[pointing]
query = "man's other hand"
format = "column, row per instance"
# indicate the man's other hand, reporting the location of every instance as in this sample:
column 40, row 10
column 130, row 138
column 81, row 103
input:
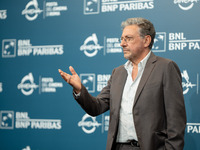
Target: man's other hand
column 73, row 79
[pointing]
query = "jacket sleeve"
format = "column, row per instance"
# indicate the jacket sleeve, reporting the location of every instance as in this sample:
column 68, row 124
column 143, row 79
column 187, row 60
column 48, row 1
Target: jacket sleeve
column 95, row 105
column 174, row 107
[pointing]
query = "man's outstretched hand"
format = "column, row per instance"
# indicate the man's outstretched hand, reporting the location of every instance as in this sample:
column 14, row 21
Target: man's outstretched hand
column 73, row 79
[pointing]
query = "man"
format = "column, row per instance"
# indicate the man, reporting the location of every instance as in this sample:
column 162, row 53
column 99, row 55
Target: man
column 144, row 95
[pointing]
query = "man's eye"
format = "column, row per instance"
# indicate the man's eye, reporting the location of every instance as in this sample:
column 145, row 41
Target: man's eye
column 128, row 38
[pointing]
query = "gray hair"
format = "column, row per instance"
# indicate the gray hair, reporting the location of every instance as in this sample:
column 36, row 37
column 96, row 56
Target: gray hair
column 145, row 26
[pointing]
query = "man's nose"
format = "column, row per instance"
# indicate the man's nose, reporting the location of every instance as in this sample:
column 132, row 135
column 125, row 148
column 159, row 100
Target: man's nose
column 123, row 43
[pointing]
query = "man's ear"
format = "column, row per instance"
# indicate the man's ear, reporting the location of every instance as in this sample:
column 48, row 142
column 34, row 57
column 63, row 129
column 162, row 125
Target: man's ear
column 147, row 40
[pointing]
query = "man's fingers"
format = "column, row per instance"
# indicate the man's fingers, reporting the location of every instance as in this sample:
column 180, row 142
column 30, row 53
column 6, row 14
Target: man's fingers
column 64, row 75
column 72, row 70
column 61, row 72
column 73, row 79
column 67, row 77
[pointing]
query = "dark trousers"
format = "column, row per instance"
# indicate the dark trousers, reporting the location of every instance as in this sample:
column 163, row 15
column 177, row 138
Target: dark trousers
column 119, row 146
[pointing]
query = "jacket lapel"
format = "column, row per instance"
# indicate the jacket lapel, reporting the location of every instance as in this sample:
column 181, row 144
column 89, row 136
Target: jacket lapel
column 147, row 71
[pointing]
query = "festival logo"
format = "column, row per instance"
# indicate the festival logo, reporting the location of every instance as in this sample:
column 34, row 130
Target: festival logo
column 50, row 9
column 27, row 85
column 186, row 84
column 46, row 85
column 89, row 124
column 185, row 4
column 90, row 46
column 112, row 45
column 31, row 10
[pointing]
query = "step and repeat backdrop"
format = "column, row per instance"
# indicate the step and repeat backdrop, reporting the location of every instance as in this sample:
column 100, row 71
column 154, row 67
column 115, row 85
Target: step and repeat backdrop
column 38, row 37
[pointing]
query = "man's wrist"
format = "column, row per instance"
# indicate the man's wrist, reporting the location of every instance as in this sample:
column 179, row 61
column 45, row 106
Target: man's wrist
column 76, row 94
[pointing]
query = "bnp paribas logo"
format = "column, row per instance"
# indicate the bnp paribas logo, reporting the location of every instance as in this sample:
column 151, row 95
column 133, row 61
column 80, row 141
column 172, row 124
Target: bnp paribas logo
column 6, row 119
column 159, row 42
column 88, row 80
column 185, row 4
column 91, row 6
column 9, row 48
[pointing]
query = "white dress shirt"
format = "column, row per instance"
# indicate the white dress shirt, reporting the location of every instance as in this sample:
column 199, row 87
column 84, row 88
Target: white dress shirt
column 126, row 129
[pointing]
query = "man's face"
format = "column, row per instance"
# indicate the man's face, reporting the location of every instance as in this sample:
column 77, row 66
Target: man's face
column 131, row 42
